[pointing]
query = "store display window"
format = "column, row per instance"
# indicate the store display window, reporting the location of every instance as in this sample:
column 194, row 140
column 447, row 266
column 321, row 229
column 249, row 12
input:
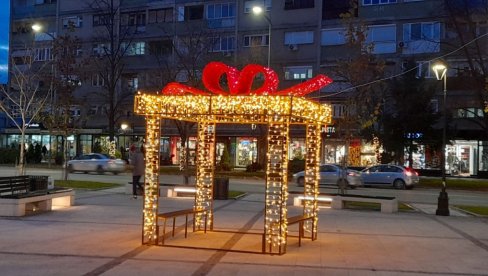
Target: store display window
column 246, row 151
column 297, row 149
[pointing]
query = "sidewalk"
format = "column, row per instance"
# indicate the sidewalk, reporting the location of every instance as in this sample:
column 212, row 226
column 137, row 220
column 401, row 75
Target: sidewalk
column 101, row 235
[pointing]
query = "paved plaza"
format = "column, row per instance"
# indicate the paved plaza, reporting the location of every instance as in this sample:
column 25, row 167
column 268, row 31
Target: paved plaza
column 101, row 235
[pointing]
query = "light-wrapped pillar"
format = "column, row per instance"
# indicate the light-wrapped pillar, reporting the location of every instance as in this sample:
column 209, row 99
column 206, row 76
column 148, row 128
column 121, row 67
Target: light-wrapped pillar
column 151, row 179
column 275, row 227
column 205, row 173
column 311, row 183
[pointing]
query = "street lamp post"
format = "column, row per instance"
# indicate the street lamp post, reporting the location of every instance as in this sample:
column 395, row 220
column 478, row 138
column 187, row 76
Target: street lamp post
column 257, row 10
column 440, row 71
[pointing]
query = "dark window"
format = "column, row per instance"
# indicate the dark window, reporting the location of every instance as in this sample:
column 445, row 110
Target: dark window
column 160, row 48
column 162, row 15
column 298, row 4
column 333, row 9
column 101, row 19
column 194, row 12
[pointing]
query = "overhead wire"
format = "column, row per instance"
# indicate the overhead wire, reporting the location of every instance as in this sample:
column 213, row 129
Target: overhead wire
column 404, row 72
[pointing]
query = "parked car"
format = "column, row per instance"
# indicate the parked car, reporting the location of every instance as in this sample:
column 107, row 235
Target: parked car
column 331, row 174
column 96, row 162
column 398, row 177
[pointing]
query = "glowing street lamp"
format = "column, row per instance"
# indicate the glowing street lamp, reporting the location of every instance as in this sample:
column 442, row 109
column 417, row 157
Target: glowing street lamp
column 440, row 71
column 258, row 11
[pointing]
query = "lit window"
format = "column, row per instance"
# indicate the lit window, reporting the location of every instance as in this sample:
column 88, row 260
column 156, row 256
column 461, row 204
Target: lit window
column 378, row 2
column 298, row 73
column 256, row 40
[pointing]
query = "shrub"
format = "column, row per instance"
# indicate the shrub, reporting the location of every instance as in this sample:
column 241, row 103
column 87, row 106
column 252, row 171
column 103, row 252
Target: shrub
column 225, row 164
column 254, row 167
column 9, row 155
column 59, row 158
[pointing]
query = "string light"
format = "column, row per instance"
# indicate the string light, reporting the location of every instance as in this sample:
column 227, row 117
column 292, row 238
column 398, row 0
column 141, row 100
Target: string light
column 240, row 104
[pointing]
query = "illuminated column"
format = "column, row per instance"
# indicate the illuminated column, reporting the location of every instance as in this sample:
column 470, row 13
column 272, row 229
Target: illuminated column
column 311, row 184
column 205, row 172
column 151, row 179
column 275, row 228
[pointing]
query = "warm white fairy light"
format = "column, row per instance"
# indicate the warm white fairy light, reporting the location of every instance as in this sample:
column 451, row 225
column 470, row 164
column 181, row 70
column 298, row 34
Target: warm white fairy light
column 312, row 161
column 205, row 172
column 151, row 178
column 278, row 112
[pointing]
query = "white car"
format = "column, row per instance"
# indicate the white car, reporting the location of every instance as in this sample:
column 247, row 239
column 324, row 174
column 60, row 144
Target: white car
column 331, row 174
column 96, row 162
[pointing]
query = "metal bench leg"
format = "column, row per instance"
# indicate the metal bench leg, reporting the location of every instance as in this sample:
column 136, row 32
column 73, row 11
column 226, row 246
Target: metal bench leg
column 186, row 225
column 174, row 222
column 300, row 233
column 157, row 233
column 164, row 231
column 206, row 219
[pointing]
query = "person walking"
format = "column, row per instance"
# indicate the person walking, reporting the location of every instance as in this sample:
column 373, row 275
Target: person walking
column 136, row 160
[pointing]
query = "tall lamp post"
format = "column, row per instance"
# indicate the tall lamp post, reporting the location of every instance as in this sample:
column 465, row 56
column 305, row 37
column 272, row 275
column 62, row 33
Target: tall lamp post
column 258, row 10
column 440, row 71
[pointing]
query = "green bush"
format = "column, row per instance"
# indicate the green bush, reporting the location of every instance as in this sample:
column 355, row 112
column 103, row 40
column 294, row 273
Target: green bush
column 254, row 167
column 59, row 158
column 225, row 164
column 9, row 155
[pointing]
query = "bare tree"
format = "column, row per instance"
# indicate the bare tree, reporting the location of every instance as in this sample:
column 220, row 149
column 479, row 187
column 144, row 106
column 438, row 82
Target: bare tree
column 466, row 35
column 182, row 58
column 58, row 116
column 362, row 102
column 30, row 87
column 114, row 40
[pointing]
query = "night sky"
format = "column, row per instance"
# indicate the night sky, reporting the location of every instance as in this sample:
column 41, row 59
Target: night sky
column 4, row 34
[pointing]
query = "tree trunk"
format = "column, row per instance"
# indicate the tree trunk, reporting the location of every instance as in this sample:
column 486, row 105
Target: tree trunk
column 65, row 156
column 21, row 166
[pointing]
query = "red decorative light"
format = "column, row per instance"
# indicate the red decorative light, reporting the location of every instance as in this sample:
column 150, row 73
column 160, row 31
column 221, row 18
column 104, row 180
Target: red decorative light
column 240, row 82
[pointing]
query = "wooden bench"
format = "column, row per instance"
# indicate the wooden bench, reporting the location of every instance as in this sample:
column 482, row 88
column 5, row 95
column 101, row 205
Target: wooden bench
column 388, row 204
column 174, row 215
column 22, row 194
column 300, row 219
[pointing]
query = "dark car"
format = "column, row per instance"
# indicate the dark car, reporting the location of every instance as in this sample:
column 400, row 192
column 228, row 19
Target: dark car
column 331, row 174
column 395, row 176
column 96, row 162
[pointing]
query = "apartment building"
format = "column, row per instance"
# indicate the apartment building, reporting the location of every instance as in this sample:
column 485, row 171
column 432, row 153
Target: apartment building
column 297, row 38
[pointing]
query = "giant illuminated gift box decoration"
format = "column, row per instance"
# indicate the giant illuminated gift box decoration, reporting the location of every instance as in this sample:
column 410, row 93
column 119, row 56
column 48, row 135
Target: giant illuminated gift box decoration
column 238, row 103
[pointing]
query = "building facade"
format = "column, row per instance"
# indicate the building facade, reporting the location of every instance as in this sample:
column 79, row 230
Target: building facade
column 164, row 41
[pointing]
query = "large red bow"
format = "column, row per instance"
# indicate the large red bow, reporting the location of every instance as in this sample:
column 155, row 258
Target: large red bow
column 240, row 82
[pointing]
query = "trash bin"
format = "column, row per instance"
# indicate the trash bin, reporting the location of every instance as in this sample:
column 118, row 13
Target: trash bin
column 38, row 182
column 221, row 188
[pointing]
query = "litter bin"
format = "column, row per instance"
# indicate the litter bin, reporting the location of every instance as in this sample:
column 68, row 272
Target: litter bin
column 38, row 182
column 221, row 188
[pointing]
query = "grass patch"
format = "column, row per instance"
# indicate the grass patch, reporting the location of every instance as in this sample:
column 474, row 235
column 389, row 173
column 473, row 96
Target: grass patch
column 455, row 183
column 373, row 206
column 235, row 194
column 478, row 210
column 79, row 184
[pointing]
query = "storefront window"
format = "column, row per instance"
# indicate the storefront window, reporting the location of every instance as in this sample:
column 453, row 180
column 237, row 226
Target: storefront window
column 418, row 158
column 297, row 149
column 85, row 144
column 483, row 150
column 246, row 151
column 334, row 153
column 191, row 146
column 461, row 157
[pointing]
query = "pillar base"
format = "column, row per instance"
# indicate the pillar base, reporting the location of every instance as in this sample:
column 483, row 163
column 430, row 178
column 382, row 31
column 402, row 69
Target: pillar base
column 442, row 204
